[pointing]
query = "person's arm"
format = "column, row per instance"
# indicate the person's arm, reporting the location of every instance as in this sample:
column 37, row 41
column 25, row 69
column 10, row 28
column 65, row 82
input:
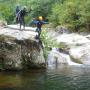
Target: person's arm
column 43, row 22
column 35, row 22
column 28, row 11
column 17, row 15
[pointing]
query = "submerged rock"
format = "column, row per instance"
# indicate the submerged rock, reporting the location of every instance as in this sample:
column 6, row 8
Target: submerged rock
column 20, row 50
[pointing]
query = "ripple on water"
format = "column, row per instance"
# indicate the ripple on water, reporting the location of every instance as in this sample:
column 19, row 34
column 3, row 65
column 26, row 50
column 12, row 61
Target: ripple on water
column 61, row 78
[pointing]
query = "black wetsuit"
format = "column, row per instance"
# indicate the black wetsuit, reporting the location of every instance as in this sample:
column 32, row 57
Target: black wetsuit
column 22, row 14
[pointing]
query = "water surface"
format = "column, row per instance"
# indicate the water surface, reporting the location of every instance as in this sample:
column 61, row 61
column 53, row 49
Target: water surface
column 60, row 78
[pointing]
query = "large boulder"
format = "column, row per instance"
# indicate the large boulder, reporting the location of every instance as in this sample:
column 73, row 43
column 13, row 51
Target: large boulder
column 59, row 56
column 72, row 39
column 79, row 47
column 81, row 54
column 20, row 50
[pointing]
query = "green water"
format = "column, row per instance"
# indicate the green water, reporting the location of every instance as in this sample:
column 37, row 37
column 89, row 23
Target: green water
column 62, row 78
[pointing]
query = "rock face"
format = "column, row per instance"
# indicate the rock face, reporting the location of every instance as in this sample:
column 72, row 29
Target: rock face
column 77, row 46
column 57, row 57
column 19, row 50
column 81, row 54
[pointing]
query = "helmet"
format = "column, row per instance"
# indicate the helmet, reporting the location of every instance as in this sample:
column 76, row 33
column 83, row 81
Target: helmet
column 24, row 8
column 18, row 5
column 40, row 18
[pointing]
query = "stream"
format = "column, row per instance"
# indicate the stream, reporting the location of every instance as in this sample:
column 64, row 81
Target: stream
column 64, row 77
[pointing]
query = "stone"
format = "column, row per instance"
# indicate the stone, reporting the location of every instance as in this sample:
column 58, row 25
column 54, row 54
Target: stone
column 77, row 47
column 20, row 50
column 81, row 54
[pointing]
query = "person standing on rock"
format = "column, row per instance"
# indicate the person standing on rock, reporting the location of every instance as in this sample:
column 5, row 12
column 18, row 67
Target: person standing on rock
column 21, row 15
column 17, row 11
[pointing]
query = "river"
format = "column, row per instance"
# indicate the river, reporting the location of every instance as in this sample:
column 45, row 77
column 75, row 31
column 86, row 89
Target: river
column 59, row 78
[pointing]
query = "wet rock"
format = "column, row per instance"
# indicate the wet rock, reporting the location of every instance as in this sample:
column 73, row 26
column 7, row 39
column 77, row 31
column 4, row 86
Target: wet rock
column 57, row 58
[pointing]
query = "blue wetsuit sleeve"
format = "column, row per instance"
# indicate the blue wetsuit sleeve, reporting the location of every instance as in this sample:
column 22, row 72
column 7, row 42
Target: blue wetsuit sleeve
column 35, row 22
column 43, row 22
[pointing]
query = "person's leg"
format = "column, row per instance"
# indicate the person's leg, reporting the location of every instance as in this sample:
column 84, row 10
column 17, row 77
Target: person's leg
column 23, row 21
column 20, row 20
column 37, row 36
column 16, row 20
column 39, row 32
column 20, row 26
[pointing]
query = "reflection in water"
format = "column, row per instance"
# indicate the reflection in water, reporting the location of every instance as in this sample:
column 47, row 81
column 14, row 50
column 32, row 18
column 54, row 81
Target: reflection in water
column 62, row 78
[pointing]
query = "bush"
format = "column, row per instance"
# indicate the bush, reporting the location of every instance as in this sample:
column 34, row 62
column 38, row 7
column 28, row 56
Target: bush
column 47, row 42
column 72, row 13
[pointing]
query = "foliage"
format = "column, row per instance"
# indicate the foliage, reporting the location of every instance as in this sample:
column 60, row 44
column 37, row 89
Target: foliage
column 74, row 14
column 6, row 10
column 48, row 42
column 37, row 8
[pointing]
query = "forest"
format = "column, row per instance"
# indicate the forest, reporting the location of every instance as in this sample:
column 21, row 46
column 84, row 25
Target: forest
column 73, row 14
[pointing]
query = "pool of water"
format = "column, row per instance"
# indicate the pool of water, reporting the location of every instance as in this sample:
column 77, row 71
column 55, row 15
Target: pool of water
column 60, row 78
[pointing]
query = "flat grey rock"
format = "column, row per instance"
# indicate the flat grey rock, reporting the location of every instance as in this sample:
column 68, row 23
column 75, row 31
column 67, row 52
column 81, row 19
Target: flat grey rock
column 13, row 31
column 17, row 27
